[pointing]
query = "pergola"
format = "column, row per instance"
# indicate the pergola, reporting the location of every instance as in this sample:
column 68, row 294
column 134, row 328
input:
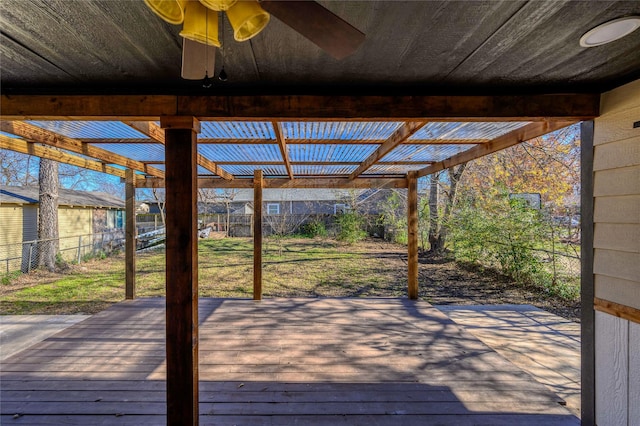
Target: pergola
column 290, row 117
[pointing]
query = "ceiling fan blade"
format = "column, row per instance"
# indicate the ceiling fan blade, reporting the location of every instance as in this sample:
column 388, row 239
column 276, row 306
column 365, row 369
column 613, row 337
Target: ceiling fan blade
column 318, row 24
column 194, row 60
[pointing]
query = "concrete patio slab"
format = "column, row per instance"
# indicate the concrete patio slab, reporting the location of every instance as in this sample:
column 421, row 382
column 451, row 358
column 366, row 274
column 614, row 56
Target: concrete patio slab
column 18, row 332
column 544, row 345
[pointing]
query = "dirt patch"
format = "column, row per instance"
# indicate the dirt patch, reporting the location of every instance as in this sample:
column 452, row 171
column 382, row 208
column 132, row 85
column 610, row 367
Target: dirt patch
column 445, row 282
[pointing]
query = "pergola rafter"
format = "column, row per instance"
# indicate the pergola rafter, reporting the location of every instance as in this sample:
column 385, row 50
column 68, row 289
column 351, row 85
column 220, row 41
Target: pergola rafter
column 282, row 144
column 156, row 133
column 37, row 134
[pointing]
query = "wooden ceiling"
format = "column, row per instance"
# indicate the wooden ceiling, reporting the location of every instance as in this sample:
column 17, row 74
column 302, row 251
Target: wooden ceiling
column 411, row 47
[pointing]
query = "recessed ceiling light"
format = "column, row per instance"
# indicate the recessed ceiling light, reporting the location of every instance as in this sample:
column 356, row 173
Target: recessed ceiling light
column 610, row 31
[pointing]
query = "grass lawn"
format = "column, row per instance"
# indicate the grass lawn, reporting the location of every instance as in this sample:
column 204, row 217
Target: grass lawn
column 291, row 268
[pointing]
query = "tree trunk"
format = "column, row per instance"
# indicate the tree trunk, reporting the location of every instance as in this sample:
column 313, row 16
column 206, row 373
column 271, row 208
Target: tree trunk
column 48, row 214
column 455, row 174
column 435, row 241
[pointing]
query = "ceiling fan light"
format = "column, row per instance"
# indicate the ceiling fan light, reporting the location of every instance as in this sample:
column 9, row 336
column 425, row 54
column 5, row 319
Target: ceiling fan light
column 219, row 5
column 247, row 19
column 610, row 31
column 200, row 24
column 172, row 11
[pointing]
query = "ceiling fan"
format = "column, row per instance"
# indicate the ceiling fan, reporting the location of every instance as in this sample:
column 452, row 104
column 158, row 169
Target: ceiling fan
column 248, row 17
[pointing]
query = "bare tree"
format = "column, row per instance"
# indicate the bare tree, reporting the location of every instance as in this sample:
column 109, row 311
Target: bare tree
column 159, row 197
column 48, row 214
column 439, row 220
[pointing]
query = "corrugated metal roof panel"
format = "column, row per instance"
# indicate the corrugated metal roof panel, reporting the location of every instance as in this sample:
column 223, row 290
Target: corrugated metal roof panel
column 236, row 130
column 467, row 130
column 384, row 169
column 139, row 152
column 426, row 153
column 339, row 130
column 238, row 152
column 247, row 170
column 91, row 129
column 311, row 152
column 301, row 170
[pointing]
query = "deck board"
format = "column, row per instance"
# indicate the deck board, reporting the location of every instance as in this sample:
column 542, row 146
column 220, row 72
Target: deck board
column 277, row 362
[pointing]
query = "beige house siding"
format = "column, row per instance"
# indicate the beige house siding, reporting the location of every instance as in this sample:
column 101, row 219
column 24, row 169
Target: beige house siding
column 72, row 223
column 616, row 264
column 10, row 238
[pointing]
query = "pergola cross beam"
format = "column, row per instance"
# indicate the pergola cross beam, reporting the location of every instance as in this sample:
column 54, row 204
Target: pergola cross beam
column 399, row 136
column 514, row 137
column 32, row 148
column 37, row 134
column 156, row 133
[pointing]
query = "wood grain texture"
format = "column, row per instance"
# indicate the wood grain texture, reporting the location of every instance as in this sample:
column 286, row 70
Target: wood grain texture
column 181, row 277
column 624, row 292
column 616, row 309
column 622, row 153
column 257, row 234
column 618, row 264
column 507, row 140
column 24, row 147
column 288, row 183
column 617, row 209
column 612, row 350
column 36, row 134
column 569, row 107
column 634, row 374
column 282, row 144
column 281, row 361
column 403, row 133
column 614, row 182
column 617, row 236
column 412, row 234
column 130, row 234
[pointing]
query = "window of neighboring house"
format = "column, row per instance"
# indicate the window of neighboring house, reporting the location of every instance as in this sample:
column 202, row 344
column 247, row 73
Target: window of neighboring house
column 341, row 208
column 273, row 208
column 115, row 219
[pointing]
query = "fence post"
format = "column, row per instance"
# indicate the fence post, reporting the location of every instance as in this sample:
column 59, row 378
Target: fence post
column 30, row 254
column 79, row 247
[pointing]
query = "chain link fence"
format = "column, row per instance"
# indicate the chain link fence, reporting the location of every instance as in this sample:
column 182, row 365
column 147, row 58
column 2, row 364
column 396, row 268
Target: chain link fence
column 25, row 256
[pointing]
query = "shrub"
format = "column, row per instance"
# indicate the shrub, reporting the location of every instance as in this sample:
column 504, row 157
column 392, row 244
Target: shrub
column 314, row 228
column 350, row 227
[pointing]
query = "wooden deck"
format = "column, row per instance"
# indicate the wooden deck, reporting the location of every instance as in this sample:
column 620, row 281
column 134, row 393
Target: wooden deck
column 277, row 362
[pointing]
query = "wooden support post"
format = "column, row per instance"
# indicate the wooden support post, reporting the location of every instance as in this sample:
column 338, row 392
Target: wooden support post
column 130, row 234
column 587, row 289
column 412, row 221
column 257, row 234
column 182, row 269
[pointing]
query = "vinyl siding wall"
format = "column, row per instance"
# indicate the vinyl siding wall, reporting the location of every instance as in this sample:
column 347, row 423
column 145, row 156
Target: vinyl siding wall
column 617, row 255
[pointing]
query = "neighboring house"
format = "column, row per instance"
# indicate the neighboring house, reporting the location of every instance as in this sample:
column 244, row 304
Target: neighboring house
column 80, row 213
column 289, row 208
column 310, row 201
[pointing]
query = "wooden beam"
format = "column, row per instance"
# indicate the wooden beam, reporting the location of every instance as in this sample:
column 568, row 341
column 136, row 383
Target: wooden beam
column 46, row 137
column 130, row 234
column 156, row 133
column 277, row 128
column 181, row 271
column 628, row 313
column 412, row 234
column 399, row 136
column 30, row 148
column 529, row 131
column 587, row 287
column 323, row 183
column 257, row 234
column 214, row 141
column 571, row 107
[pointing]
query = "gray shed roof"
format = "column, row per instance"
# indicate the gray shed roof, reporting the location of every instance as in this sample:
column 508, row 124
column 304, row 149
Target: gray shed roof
column 66, row 197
